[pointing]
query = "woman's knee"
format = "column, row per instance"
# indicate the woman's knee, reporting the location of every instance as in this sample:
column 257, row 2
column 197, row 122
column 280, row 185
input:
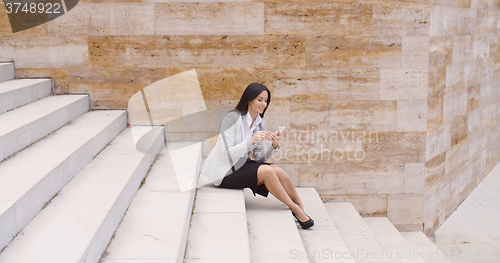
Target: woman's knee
column 282, row 174
column 266, row 172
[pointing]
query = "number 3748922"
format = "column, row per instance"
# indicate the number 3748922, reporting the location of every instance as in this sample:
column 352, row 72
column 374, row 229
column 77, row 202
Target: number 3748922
column 33, row 8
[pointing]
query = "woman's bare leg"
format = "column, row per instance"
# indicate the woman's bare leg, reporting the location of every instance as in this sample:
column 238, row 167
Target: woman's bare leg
column 266, row 175
column 287, row 184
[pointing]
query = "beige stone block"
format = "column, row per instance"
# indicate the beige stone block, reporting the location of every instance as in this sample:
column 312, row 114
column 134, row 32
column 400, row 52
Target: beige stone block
column 343, row 51
column 415, row 50
column 311, row 82
column 327, row 83
column 403, row 84
column 436, row 20
column 440, row 55
column 454, row 105
column 493, row 20
column 395, row 147
column 411, row 115
column 353, row 178
column 435, row 200
column 414, row 179
column 471, row 73
column 458, row 130
column 435, row 171
column 443, row 2
column 455, row 77
column 438, row 141
column 457, row 156
column 477, row 138
column 45, row 51
column 440, row 51
column 106, row 18
column 402, row 20
column 476, row 165
column 463, row 48
column 482, row 25
column 197, row 51
column 229, row 83
column 463, row 3
column 459, row 179
column 243, row 18
column 366, row 205
column 405, row 209
column 343, row 115
column 313, row 18
column 473, row 98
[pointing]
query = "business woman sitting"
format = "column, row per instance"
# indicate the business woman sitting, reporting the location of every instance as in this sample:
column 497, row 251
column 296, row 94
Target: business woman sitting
column 242, row 131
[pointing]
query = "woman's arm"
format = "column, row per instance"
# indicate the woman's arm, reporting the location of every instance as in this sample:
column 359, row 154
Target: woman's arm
column 227, row 133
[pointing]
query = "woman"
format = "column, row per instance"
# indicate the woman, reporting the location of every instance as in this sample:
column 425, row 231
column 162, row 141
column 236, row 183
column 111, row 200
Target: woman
column 242, row 131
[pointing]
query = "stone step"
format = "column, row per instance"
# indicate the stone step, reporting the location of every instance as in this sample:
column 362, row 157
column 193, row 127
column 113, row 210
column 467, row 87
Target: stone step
column 322, row 242
column 6, row 71
column 18, row 92
column 274, row 234
column 156, row 224
column 218, row 231
column 34, row 175
column 78, row 223
column 422, row 244
column 362, row 245
column 27, row 124
column 392, row 242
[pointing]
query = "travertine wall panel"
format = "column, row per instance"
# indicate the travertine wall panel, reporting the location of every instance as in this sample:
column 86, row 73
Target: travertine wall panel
column 462, row 104
column 411, row 115
column 414, row 178
column 403, row 84
column 404, row 20
column 209, row 18
column 45, row 51
column 306, row 18
column 327, row 83
column 345, row 51
column 199, row 51
column 368, row 178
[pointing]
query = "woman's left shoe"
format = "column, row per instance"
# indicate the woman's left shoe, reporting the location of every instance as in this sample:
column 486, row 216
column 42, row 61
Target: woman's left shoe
column 307, row 224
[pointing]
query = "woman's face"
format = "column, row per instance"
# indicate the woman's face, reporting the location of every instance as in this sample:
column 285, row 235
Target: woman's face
column 258, row 104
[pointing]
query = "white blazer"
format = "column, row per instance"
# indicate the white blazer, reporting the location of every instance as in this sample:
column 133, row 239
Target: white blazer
column 231, row 145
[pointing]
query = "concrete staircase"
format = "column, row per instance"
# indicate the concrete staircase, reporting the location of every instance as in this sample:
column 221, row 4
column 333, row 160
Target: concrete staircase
column 74, row 188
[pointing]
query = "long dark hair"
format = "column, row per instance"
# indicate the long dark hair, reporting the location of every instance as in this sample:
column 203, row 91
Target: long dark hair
column 251, row 92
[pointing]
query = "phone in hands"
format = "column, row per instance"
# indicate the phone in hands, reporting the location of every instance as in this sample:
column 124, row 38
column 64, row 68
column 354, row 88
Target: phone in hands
column 280, row 129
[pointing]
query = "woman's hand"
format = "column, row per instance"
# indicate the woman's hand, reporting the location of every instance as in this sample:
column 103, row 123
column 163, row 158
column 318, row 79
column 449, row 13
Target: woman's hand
column 275, row 139
column 259, row 136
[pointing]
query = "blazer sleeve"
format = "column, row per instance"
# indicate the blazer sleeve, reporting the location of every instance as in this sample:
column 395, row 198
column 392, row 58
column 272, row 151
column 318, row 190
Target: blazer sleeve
column 231, row 151
column 262, row 153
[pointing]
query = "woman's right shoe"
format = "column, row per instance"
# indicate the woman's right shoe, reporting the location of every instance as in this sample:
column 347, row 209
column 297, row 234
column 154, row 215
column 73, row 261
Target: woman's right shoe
column 307, row 224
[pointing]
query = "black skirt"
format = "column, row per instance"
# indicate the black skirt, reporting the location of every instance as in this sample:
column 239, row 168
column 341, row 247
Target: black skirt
column 244, row 177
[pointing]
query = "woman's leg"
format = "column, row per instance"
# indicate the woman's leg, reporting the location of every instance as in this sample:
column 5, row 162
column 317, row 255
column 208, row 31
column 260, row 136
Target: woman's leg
column 266, row 175
column 287, row 184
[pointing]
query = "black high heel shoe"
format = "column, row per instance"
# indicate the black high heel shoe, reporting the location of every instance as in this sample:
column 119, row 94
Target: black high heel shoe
column 307, row 224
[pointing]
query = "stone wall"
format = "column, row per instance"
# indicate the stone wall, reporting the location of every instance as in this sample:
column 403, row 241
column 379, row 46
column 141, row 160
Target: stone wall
column 392, row 105
column 463, row 142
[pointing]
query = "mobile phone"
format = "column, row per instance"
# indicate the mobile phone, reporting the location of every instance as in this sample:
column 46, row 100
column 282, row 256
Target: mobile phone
column 280, row 129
